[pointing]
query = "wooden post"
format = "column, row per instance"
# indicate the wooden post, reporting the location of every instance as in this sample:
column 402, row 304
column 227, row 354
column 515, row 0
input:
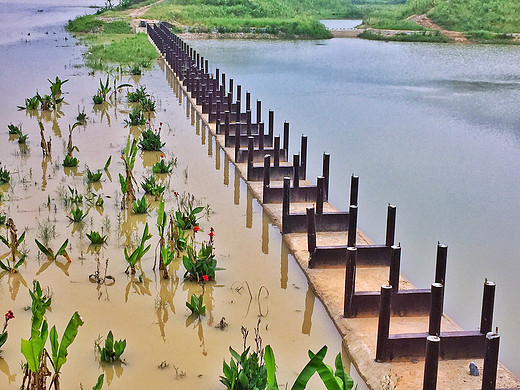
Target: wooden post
column 267, row 174
column 277, row 151
column 286, row 137
column 226, row 127
column 303, row 155
column 354, row 189
column 383, row 325
column 431, row 362
column 248, row 101
column 311, row 230
column 395, row 267
column 325, row 173
column 261, row 135
column 296, row 170
column 440, row 266
column 488, row 302
column 489, row 374
column 350, row 281
column 224, row 84
column 258, row 111
column 239, row 92
column 286, row 202
column 352, row 225
column 320, row 183
column 436, row 309
column 250, row 155
column 248, row 122
column 237, row 140
column 390, row 225
column 271, row 124
column 231, row 88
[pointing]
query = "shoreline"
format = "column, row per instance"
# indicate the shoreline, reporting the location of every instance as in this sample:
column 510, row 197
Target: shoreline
column 358, row 333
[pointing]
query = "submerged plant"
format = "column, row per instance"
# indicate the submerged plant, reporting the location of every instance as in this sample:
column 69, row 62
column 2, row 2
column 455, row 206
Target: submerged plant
column 97, row 99
column 138, row 95
column 93, row 177
column 147, row 104
column 14, row 130
column 201, row 265
column 3, row 335
column 135, row 71
column 70, row 162
column 47, row 251
column 150, row 186
column 112, row 350
column 135, row 117
column 127, row 184
column 74, row 198
column 164, row 166
column 77, row 215
column 47, row 102
column 140, row 206
column 196, row 305
column 56, row 86
column 96, row 238
column 82, row 116
column 13, row 242
column 3, row 218
column 5, row 175
column 22, row 138
column 138, row 252
column 151, row 140
column 30, row 103
column 186, row 217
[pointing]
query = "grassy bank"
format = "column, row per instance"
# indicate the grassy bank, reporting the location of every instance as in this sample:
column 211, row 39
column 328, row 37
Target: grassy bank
column 488, row 21
column 424, row 36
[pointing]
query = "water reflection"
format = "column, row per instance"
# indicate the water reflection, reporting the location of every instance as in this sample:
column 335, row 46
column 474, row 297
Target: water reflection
column 309, row 309
column 217, row 156
column 139, row 285
column 284, row 266
column 14, row 281
column 110, row 369
column 226, row 169
column 265, row 233
column 236, row 187
column 4, row 367
column 249, row 209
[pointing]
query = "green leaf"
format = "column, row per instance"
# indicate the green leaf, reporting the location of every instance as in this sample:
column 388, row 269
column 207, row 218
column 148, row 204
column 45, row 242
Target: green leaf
column 20, row 240
column 61, row 251
column 99, row 383
column 4, row 267
column 119, row 348
column 348, row 382
column 20, row 262
column 242, row 378
column 68, row 337
column 3, row 338
column 32, row 350
column 197, row 210
column 4, row 240
column 271, row 368
column 107, row 164
column 47, row 252
column 310, row 368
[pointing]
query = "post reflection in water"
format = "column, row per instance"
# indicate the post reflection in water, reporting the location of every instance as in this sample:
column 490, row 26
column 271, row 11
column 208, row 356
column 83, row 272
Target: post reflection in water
column 237, row 187
column 217, row 156
column 309, row 309
column 265, row 233
column 203, row 134
column 284, row 266
column 5, row 369
column 210, row 143
column 187, row 107
column 226, row 169
column 249, row 210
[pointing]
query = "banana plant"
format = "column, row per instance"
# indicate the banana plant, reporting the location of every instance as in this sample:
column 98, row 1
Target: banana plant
column 50, row 253
column 196, row 305
column 139, row 252
column 161, row 226
column 99, row 383
column 59, row 349
column 12, row 241
column 112, row 349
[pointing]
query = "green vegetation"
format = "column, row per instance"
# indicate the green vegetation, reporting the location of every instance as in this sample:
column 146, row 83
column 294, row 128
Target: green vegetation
column 112, row 350
column 196, row 305
column 96, row 238
column 425, row 36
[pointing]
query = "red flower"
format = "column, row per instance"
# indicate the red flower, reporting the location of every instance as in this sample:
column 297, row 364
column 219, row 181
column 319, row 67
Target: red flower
column 205, row 278
column 176, row 193
column 211, row 233
column 9, row 315
column 196, row 229
column 162, row 155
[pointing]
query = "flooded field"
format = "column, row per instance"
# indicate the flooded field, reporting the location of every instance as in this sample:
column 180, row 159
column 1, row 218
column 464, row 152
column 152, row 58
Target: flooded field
column 164, row 343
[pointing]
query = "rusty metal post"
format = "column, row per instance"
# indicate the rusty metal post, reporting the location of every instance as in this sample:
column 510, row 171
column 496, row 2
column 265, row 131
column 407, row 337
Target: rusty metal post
column 488, row 303
column 286, row 202
column 231, row 88
column 198, row 61
column 311, row 230
column 239, row 92
column 286, row 137
column 436, row 309
column 296, row 170
column 383, row 325
column 326, row 173
column 431, row 363
column 248, row 122
column 248, row 100
column 271, row 124
column 354, row 189
column 350, row 281
column 217, row 74
column 224, row 83
column 277, row 151
column 395, row 267
column 258, row 111
column 206, row 66
column 390, row 225
column 238, row 112
column 226, row 127
column 267, row 171
column 440, row 265
column 352, row 225
column 303, row 156
column 261, row 135
column 489, row 374
column 237, row 140
column 250, row 155
column 320, row 183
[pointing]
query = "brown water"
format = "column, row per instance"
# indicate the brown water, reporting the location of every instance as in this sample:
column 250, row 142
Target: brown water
column 146, row 310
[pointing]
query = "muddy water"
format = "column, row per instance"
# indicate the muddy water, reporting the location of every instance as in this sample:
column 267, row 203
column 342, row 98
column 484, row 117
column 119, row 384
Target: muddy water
column 260, row 279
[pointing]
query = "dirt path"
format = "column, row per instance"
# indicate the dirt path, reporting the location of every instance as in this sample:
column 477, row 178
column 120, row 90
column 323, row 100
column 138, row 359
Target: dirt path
column 425, row 21
column 137, row 13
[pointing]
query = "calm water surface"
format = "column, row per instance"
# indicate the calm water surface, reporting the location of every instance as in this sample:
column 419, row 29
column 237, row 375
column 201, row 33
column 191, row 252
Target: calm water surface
column 431, row 128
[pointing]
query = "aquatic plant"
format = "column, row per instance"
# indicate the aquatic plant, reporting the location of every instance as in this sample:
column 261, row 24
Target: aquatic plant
column 94, row 200
column 96, row 238
column 14, row 130
column 107, row 164
column 162, row 219
column 77, row 215
column 138, row 252
column 70, row 162
column 22, row 138
column 200, row 266
column 135, row 71
column 186, row 217
column 46, row 102
column 167, row 256
column 137, row 95
column 5, row 175
column 30, row 103
column 47, row 251
column 135, row 117
column 127, row 184
column 112, row 350
column 104, row 89
column 93, row 177
column 3, row 335
column 3, row 218
column 82, row 116
column 13, row 242
column 147, row 104
column 196, row 305
column 46, row 145
column 34, row 351
column 56, row 86
column 97, row 99
column 164, row 167
column 180, row 238
column 150, row 186
column 151, row 140
column 74, row 198
column 140, row 206
column 99, row 383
